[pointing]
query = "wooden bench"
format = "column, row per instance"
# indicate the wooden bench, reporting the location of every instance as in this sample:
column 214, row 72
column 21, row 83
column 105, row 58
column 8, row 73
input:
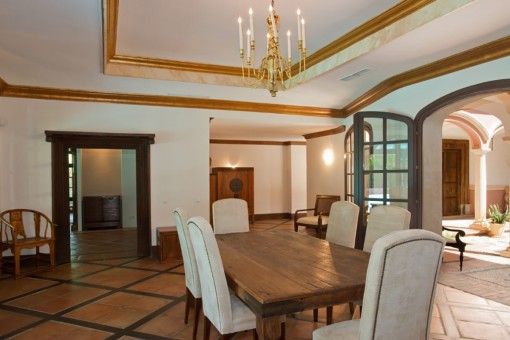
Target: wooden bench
column 456, row 242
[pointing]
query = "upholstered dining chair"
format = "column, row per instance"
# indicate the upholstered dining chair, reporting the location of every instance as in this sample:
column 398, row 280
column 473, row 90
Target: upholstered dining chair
column 22, row 229
column 221, row 308
column 343, row 222
column 193, row 290
column 399, row 290
column 319, row 219
column 230, row 215
column 382, row 220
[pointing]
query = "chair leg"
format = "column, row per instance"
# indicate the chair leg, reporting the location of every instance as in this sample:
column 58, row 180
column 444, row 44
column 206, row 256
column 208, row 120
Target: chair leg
column 17, row 260
column 351, row 308
column 198, row 307
column 207, row 328
column 461, row 258
column 282, row 331
column 255, row 335
column 329, row 315
column 186, row 306
column 315, row 315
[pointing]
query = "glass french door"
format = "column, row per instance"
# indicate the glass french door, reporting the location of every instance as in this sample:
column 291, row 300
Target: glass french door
column 384, row 164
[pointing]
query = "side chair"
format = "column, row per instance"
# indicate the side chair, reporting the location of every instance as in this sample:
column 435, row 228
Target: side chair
column 399, row 290
column 193, row 290
column 383, row 219
column 319, row 219
column 221, row 307
column 230, row 215
column 343, row 222
column 22, row 229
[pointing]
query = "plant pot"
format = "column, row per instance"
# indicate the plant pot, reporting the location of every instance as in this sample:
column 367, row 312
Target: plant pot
column 496, row 229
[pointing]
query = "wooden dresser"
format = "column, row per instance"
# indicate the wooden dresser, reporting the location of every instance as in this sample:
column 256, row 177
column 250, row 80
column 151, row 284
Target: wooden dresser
column 101, row 212
column 233, row 183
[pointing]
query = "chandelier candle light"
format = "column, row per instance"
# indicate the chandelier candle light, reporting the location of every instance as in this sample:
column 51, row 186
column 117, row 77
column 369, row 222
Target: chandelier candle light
column 274, row 69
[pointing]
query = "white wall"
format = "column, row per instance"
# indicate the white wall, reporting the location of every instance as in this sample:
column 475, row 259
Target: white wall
column 325, row 179
column 277, row 174
column 179, row 157
column 298, row 177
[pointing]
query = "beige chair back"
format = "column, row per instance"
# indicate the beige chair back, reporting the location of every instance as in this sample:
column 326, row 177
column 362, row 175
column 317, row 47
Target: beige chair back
column 400, row 286
column 343, row 222
column 382, row 220
column 215, row 293
column 399, row 290
column 230, row 215
column 188, row 254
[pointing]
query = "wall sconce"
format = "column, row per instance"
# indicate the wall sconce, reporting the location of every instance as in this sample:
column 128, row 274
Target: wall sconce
column 328, row 156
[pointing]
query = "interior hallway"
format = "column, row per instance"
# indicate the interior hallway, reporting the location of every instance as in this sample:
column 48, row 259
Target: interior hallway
column 109, row 296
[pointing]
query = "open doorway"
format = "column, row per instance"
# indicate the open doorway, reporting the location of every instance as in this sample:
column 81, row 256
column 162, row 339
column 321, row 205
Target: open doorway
column 62, row 141
column 102, row 202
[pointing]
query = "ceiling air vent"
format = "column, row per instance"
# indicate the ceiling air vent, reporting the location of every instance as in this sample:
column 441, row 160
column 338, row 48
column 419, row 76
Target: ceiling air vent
column 355, row 75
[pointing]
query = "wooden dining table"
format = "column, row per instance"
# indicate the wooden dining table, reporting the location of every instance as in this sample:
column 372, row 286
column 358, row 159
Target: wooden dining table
column 280, row 272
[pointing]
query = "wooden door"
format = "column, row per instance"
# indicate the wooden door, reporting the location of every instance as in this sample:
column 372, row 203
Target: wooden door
column 455, row 176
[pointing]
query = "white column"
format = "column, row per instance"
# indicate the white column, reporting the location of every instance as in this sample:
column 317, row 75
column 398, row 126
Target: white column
column 480, row 184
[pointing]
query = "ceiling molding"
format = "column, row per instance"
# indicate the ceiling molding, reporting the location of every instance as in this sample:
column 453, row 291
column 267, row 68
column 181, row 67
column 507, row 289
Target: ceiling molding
column 491, row 51
column 394, row 14
column 253, row 142
column 334, row 131
column 36, row 92
column 134, row 66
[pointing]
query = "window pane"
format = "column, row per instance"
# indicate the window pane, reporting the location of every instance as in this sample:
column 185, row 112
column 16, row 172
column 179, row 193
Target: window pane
column 376, row 126
column 397, row 156
column 396, row 130
column 397, row 185
column 374, row 160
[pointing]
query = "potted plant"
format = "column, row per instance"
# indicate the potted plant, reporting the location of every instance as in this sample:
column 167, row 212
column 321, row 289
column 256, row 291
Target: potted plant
column 498, row 219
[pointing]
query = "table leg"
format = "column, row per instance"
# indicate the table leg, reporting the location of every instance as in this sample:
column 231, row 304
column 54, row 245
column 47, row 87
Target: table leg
column 268, row 328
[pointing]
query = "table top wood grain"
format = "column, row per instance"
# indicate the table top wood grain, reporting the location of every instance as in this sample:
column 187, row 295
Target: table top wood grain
column 281, row 272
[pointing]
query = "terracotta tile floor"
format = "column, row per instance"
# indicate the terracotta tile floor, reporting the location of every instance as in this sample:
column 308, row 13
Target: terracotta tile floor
column 107, row 293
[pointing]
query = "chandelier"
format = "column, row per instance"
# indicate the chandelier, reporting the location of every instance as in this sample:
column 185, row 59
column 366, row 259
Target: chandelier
column 274, row 71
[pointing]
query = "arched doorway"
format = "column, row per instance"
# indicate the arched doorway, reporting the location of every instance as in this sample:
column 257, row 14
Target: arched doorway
column 429, row 132
column 61, row 142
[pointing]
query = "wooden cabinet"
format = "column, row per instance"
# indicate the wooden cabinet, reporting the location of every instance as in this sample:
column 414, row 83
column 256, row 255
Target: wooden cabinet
column 101, row 212
column 169, row 248
column 233, row 183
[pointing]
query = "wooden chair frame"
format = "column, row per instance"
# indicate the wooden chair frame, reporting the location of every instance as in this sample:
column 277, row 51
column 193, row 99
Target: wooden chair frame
column 318, row 210
column 457, row 243
column 14, row 237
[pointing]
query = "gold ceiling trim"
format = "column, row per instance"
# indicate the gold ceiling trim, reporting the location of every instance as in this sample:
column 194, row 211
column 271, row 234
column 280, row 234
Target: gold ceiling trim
column 111, row 11
column 385, row 19
column 36, row 92
column 330, row 132
column 253, row 142
column 491, row 51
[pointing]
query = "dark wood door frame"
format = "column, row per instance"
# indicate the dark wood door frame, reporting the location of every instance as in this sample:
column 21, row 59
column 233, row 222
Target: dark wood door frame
column 61, row 141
